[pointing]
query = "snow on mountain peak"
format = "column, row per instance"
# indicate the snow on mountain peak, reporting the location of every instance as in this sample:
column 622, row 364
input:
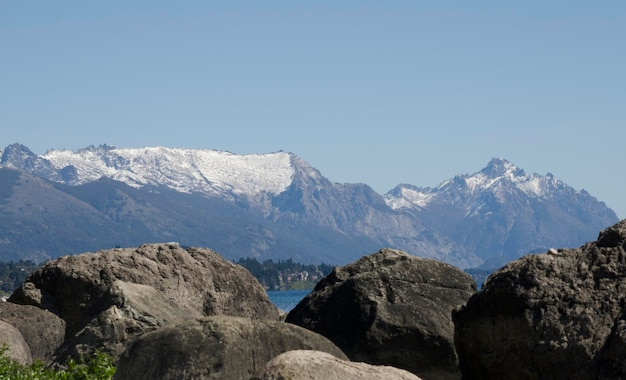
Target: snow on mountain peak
column 495, row 177
column 407, row 196
column 500, row 170
column 499, row 167
column 185, row 170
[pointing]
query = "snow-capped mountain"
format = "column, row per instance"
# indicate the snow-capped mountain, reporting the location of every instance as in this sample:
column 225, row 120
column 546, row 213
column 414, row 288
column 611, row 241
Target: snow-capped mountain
column 499, row 178
column 276, row 205
column 503, row 212
column 184, row 170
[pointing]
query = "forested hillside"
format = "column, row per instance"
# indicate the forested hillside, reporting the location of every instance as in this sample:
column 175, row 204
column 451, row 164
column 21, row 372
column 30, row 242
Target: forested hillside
column 285, row 274
column 12, row 274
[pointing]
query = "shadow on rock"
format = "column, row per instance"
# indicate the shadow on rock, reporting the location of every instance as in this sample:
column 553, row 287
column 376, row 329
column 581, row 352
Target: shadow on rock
column 557, row 315
column 390, row 308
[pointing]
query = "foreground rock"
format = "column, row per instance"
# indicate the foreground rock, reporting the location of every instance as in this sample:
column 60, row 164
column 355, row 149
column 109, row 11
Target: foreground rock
column 43, row 331
column 390, row 308
column 315, row 365
column 218, row 347
column 100, row 312
column 558, row 315
column 17, row 348
column 127, row 311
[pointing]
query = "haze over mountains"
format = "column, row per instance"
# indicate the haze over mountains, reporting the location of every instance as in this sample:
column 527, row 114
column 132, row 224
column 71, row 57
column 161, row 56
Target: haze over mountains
column 277, row 206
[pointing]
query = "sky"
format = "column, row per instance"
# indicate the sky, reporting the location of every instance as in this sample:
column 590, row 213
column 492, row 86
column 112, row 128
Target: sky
column 375, row 92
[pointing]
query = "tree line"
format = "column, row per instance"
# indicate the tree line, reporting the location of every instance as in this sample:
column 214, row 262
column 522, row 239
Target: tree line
column 13, row 274
column 285, row 274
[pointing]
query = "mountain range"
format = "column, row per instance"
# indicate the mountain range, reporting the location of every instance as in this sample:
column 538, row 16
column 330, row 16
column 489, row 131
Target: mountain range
column 277, row 206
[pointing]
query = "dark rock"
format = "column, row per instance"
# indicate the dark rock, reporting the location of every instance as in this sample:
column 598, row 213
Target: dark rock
column 43, row 331
column 390, row 308
column 17, row 348
column 197, row 280
column 127, row 311
column 315, row 365
column 556, row 315
column 218, row 347
column 612, row 359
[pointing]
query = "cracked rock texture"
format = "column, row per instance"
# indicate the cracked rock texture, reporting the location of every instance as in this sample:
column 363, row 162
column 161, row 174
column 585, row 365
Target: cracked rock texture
column 557, row 315
column 390, row 308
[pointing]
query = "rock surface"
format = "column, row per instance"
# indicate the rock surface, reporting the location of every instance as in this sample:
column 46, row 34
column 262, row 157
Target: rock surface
column 218, row 347
column 17, row 348
column 127, row 311
column 196, row 279
column 95, row 296
column 42, row 330
column 555, row 315
column 315, row 365
column 390, row 308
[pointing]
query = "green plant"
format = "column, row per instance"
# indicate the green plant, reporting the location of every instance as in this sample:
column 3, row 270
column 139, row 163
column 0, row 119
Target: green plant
column 98, row 366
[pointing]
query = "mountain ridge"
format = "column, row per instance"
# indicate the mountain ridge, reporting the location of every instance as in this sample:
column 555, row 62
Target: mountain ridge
column 488, row 217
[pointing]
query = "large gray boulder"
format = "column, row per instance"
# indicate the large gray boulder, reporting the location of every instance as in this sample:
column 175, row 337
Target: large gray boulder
column 17, row 348
column 315, row 365
column 42, row 330
column 557, row 315
column 198, row 280
column 127, row 311
column 218, row 347
column 390, row 308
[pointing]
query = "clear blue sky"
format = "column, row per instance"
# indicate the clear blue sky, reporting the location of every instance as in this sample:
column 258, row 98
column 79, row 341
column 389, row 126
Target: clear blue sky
column 378, row 92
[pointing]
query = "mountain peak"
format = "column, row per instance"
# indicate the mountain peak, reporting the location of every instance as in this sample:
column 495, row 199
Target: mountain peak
column 499, row 167
column 19, row 156
column 184, row 170
column 275, row 205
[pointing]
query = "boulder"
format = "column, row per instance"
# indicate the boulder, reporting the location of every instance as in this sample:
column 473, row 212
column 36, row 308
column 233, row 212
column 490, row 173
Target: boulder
column 560, row 314
column 126, row 311
column 218, row 347
column 315, row 365
column 198, row 280
column 612, row 359
column 390, row 308
column 43, row 331
column 17, row 349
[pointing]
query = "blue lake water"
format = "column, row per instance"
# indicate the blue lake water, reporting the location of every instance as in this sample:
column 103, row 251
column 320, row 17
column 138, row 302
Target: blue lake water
column 286, row 300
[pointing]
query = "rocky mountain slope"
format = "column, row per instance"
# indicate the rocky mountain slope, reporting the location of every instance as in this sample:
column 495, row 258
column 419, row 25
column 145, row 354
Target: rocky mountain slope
column 277, row 206
column 504, row 213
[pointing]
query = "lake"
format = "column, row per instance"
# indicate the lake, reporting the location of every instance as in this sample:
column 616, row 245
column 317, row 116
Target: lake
column 286, row 300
